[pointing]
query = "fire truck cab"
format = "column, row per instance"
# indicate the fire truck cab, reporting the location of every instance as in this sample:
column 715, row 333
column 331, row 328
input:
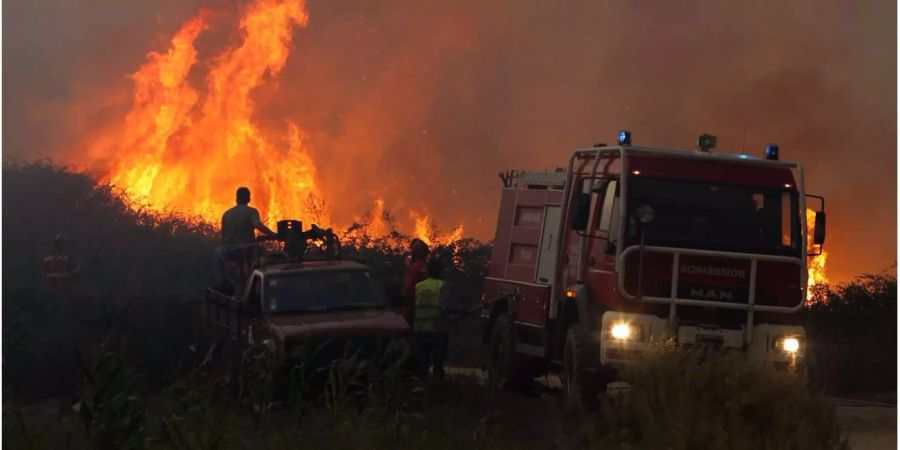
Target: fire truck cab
column 630, row 247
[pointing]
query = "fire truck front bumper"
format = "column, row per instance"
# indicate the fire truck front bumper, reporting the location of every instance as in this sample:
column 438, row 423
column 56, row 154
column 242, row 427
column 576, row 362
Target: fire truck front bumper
column 625, row 338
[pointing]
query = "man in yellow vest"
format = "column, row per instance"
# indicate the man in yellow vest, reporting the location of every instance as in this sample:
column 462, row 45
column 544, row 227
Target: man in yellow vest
column 430, row 322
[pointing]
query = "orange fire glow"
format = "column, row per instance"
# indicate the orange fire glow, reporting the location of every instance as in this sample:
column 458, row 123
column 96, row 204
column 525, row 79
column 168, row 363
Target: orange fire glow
column 426, row 230
column 186, row 150
column 816, row 270
column 182, row 152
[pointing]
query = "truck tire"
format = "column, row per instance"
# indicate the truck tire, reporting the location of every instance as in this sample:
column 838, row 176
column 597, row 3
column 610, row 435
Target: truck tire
column 505, row 369
column 581, row 386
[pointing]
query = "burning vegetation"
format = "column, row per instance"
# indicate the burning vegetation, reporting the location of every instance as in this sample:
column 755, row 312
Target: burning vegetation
column 186, row 149
column 816, row 265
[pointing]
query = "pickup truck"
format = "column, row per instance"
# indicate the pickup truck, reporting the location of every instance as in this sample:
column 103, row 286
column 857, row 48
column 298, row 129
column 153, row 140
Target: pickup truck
column 311, row 309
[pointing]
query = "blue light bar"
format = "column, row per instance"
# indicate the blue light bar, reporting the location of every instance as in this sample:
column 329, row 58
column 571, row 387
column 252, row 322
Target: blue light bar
column 772, row 152
column 706, row 142
column 624, row 137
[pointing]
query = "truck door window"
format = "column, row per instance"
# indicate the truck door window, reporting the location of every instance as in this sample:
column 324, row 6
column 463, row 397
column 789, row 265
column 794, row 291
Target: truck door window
column 609, row 206
column 615, row 220
column 786, row 220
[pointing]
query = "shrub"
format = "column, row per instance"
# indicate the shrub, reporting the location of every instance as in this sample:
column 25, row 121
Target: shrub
column 674, row 402
column 852, row 332
column 197, row 410
column 135, row 264
column 110, row 406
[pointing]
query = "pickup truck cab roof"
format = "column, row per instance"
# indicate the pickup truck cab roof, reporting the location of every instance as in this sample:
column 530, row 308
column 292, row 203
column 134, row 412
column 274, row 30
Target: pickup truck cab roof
column 309, row 266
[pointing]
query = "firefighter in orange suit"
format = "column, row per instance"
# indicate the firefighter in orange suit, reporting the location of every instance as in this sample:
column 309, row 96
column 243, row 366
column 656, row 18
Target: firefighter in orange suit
column 59, row 267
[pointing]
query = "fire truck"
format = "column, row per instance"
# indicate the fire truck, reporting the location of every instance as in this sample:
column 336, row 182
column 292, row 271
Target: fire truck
column 629, row 246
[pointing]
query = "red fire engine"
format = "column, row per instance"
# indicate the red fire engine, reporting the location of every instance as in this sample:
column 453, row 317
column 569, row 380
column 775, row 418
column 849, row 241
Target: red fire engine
column 630, row 246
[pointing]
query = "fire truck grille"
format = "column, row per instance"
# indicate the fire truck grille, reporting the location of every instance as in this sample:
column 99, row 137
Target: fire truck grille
column 723, row 318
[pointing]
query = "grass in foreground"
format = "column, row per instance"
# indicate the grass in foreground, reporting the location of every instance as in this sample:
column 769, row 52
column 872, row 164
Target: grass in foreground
column 676, row 402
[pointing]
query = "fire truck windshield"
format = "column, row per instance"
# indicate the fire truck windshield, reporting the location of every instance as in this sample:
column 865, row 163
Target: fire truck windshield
column 722, row 217
column 321, row 291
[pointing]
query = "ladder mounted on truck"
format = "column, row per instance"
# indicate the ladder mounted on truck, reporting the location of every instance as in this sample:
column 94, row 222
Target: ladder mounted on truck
column 534, row 179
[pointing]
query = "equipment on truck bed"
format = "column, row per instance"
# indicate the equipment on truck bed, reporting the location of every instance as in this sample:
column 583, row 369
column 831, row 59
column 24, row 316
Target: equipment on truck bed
column 299, row 245
column 290, row 244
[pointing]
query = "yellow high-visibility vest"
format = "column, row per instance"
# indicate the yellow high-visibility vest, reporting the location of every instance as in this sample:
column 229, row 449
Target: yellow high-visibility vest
column 429, row 314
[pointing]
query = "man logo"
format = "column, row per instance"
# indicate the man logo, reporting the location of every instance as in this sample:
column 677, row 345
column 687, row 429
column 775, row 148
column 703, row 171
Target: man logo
column 712, row 294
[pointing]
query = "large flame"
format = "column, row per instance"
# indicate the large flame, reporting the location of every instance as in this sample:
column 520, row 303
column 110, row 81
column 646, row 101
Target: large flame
column 178, row 151
column 816, row 269
column 427, row 230
column 184, row 151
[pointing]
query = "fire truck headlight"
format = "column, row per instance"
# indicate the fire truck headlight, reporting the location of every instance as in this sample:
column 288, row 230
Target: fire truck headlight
column 624, row 137
column 621, row 331
column 789, row 345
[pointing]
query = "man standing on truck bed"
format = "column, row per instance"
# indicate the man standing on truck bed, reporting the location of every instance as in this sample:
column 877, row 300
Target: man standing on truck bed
column 430, row 324
column 238, row 226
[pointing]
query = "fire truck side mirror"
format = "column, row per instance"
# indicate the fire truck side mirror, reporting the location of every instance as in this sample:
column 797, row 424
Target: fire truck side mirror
column 819, row 231
column 581, row 210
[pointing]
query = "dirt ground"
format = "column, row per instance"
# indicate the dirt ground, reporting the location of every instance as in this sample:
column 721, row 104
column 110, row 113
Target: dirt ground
column 868, row 425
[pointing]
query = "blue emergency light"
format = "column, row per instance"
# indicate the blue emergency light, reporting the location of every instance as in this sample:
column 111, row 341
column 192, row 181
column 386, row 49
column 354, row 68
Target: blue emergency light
column 624, row 137
column 772, row 152
column 706, row 142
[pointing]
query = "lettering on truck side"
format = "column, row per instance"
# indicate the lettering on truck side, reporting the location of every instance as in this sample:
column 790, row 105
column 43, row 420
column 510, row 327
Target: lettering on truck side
column 713, row 271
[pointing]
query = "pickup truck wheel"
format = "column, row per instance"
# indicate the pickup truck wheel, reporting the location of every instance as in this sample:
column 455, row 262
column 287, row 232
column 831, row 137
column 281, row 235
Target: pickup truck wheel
column 580, row 387
column 502, row 368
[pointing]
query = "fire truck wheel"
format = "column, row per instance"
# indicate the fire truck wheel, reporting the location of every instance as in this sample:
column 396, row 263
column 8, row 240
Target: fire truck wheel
column 580, row 388
column 503, row 364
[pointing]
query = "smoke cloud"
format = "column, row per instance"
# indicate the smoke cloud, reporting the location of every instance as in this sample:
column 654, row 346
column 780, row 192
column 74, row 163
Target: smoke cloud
column 421, row 103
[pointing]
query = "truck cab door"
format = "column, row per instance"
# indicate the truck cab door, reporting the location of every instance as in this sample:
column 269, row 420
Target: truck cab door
column 604, row 233
column 549, row 244
column 252, row 308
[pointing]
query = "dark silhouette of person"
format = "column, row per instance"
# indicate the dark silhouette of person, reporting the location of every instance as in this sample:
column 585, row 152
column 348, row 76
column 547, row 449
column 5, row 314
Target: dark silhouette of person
column 239, row 226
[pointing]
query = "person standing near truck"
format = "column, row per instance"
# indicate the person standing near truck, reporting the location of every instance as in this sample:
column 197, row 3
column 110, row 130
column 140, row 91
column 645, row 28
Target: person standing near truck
column 239, row 224
column 430, row 324
column 415, row 273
